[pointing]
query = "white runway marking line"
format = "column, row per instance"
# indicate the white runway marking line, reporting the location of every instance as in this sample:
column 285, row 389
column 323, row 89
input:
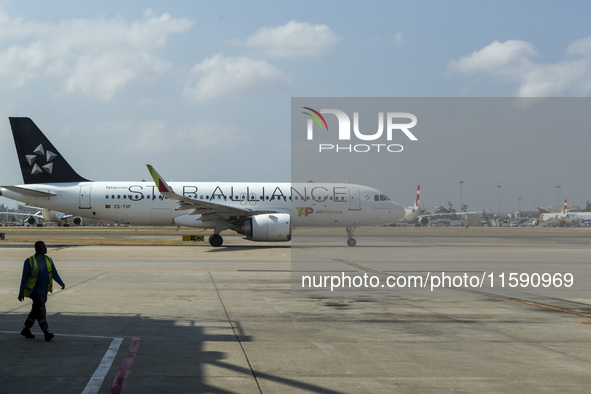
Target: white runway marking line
column 99, row 375
column 95, row 382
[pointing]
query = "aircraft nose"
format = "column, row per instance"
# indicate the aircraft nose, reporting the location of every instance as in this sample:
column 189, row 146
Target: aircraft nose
column 396, row 212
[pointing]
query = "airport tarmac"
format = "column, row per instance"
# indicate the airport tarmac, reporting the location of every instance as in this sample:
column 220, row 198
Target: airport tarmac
column 163, row 318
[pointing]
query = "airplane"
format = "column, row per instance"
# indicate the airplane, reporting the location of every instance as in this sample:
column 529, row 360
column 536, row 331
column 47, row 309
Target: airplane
column 577, row 217
column 553, row 218
column 260, row 211
column 585, row 220
column 424, row 219
column 46, row 215
column 411, row 213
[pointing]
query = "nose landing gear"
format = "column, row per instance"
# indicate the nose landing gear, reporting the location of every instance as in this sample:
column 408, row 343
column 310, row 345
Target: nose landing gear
column 350, row 240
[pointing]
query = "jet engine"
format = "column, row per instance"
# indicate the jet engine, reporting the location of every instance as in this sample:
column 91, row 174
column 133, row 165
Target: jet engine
column 31, row 220
column 424, row 221
column 77, row 220
column 268, row 227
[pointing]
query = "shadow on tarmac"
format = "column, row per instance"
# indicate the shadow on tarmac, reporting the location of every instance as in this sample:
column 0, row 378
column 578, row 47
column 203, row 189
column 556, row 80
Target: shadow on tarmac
column 171, row 357
column 240, row 248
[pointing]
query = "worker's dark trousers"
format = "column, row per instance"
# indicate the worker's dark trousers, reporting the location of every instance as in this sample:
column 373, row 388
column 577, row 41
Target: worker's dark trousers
column 37, row 311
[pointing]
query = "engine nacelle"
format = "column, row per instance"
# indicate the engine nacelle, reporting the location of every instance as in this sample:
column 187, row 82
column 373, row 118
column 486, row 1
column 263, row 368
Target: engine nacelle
column 77, row 220
column 272, row 227
column 31, row 220
column 423, row 221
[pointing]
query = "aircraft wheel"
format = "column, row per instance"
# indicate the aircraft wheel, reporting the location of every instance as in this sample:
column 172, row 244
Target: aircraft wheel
column 216, row 240
column 351, row 242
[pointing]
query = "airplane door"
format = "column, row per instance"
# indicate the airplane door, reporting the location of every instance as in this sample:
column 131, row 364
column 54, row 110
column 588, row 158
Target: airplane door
column 354, row 201
column 85, row 197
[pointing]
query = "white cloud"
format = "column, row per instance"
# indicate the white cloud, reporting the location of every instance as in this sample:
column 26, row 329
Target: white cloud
column 201, row 136
column 220, row 76
column 93, row 57
column 509, row 57
column 294, row 39
column 516, row 61
column 148, row 137
column 102, row 76
column 580, row 47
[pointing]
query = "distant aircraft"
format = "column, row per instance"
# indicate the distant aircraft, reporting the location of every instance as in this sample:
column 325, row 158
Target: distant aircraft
column 411, row 213
column 577, row 217
column 49, row 216
column 260, row 211
column 555, row 218
column 584, row 219
column 424, row 219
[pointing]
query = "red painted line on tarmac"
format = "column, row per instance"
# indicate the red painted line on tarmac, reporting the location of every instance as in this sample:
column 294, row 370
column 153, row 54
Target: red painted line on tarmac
column 121, row 378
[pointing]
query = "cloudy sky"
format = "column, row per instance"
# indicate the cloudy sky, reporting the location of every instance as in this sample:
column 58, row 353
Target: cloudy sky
column 202, row 90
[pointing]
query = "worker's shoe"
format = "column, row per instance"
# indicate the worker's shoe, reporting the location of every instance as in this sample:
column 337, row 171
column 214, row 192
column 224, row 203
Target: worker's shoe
column 48, row 336
column 26, row 332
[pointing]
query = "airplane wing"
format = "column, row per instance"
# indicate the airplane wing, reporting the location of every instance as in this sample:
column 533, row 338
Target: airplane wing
column 48, row 214
column 28, row 192
column 26, row 215
column 424, row 219
column 15, row 214
column 552, row 219
column 451, row 214
column 200, row 207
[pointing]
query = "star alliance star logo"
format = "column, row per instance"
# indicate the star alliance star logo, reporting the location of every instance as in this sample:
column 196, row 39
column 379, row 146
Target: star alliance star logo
column 35, row 159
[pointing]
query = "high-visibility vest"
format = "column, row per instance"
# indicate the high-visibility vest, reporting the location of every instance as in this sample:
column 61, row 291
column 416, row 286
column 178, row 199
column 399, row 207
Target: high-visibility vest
column 32, row 279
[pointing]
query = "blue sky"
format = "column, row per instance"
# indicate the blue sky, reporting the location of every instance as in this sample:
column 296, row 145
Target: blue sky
column 202, row 90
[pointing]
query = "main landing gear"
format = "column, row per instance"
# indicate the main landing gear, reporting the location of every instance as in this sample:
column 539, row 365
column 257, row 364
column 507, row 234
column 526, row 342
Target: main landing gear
column 350, row 240
column 216, row 240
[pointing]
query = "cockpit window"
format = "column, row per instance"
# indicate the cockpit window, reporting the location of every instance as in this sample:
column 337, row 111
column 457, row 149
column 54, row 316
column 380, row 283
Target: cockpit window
column 381, row 197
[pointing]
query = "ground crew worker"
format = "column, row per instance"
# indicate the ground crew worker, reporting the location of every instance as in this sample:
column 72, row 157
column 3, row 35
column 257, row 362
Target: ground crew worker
column 38, row 276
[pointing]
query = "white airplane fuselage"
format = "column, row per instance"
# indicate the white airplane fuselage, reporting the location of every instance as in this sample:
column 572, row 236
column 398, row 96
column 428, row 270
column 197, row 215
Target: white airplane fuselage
column 140, row 203
column 260, row 211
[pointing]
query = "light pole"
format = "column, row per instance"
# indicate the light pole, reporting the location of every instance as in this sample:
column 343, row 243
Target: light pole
column 499, row 186
column 461, row 200
column 461, row 182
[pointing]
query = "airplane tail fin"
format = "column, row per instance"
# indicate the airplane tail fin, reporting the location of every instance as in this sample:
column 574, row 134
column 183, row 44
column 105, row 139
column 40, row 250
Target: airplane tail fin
column 564, row 207
column 417, row 199
column 40, row 162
